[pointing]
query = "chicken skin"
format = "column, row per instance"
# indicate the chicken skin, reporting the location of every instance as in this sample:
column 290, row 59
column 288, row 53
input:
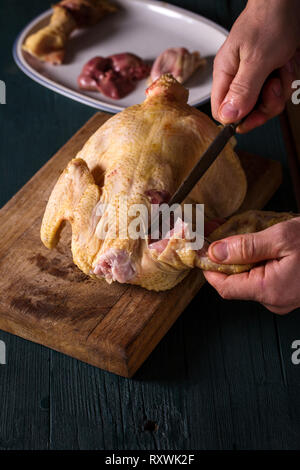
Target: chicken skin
column 177, row 61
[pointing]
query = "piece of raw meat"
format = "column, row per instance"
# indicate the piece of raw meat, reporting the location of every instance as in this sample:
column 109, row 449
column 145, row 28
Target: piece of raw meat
column 49, row 43
column 114, row 76
column 177, row 61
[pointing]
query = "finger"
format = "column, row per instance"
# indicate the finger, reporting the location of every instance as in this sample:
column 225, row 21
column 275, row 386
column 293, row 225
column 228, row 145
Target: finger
column 256, row 119
column 244, row 286
column 214, row 278
column 243, row 92
column 220, row 87
column 273, row 98
column 273, row 242
column 275, row 94
column 226, row 65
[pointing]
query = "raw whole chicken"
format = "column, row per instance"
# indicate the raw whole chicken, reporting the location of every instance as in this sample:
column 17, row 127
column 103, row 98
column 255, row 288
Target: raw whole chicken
column 143, row 154
column 49, row 43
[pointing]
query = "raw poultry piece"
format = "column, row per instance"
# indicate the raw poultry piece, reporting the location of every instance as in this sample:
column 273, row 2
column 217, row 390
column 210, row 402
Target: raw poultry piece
column 49, row 43
column 143, row 154
column 177, row 61
column 114, row 76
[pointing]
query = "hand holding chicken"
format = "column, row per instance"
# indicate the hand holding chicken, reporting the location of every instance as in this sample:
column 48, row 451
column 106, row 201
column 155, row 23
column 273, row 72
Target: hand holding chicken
column 275, row 281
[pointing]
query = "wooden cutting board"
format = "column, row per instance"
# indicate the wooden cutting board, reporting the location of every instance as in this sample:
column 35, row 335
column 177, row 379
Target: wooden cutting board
column 45, row 298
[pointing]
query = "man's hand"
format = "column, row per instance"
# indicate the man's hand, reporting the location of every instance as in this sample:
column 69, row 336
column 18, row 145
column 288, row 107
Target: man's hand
column 264, row 38
column 276, row 282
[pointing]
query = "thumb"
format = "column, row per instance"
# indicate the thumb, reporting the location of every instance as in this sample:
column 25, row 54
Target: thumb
column 243, row 92
column 249, row 247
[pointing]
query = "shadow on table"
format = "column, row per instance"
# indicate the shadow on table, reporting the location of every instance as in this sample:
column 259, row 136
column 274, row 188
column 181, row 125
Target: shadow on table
column 208, row 334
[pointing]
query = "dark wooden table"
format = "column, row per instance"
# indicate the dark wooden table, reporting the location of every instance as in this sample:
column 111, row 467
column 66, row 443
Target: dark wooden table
column 222, row 378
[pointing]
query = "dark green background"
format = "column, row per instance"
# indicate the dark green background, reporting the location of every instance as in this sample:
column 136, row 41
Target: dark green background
column 222, row 378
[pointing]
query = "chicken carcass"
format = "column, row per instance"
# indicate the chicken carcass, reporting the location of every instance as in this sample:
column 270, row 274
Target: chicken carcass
column 143, row 154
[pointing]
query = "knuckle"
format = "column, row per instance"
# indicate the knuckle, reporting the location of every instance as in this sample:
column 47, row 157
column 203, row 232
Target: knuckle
column 273, row 109
column 282, row 231
column 254, row 57
column 224, row 293
column 285, row 235
column 220, row 57
column 239, row 88
column 245, row 246
column 249, row 246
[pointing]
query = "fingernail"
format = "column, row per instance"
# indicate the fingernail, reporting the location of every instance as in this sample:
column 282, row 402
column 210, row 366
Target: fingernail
column 289, row 66
column 220, row 251
column 229, row 111
column 277, row 89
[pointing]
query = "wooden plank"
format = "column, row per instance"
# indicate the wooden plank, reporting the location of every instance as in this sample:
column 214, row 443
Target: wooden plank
column 49, row 301
column 24, row 395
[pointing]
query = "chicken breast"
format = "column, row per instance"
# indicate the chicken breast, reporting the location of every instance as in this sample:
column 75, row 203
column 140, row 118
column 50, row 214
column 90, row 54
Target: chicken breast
column 140, row 156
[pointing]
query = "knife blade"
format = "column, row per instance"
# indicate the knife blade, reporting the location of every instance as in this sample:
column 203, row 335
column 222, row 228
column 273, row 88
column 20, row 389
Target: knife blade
column 206, row 160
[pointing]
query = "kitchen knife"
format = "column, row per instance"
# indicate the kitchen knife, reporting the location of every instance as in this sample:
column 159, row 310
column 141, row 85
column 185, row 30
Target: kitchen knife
column 207, row 159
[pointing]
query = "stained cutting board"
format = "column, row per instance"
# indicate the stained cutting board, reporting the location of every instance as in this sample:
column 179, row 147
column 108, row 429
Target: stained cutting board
column 45, row 298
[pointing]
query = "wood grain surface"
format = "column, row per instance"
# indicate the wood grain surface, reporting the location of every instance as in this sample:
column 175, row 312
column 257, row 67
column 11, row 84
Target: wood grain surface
column 50, row 301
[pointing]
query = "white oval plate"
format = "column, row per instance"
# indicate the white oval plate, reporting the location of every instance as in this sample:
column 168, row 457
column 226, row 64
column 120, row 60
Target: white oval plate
column 143, row 27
